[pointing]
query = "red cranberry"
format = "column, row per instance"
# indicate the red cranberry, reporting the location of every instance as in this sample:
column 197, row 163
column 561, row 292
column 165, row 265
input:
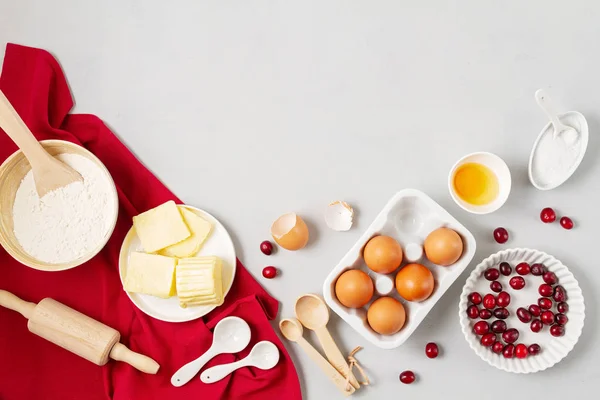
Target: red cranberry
column 488, row 339
column 501, row 235
column 536, row 325
column 407, row 377
column 548, row 215
column 491, row 274
column 475, row 298
column 496, row 286
column 547, row 317
column 505, row 268
column 431, row 350
column 521, row 351
column 550, row 278
column 559, row 294
column 498, row 326
column 545, row 290
column 497, row 347
column 557, row 330
column 562, row 307
column 266, row 247
column 523, row 315
column 509, row 351
column 485, row 314
column 561, row 319
column 523, row 268
column 489, row 301
column 534, row 349
column 472, row 312
column 538, row 269
column 510, row 336
column 269, row 272
column 501, row 313
column 535, row 310
column 503, row 299
column 565, row 222
column 517, row 282
column 544, row 303
column 481, row 328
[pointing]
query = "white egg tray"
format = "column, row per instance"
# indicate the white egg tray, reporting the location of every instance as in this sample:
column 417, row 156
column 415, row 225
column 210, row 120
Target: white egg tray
column 408, row 217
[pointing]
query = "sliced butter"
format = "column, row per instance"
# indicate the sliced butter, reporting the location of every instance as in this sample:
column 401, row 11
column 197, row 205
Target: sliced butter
column 151, row 274
column 199, row 282
column 200, row 229
column 161, row 227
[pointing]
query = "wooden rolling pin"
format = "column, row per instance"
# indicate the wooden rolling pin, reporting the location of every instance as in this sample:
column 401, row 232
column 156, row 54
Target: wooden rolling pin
column 76, row 332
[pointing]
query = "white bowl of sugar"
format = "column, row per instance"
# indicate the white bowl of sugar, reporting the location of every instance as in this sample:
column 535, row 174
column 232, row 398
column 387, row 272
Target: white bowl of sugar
column 65, row 228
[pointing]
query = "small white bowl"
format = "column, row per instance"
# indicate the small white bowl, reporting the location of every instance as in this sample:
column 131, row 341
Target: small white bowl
column 498, row 167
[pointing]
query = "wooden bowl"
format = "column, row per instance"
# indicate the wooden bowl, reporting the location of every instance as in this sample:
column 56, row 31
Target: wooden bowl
column 12, row 172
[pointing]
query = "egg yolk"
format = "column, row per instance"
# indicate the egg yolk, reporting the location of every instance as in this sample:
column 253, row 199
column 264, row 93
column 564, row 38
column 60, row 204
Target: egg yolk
column 475, row 184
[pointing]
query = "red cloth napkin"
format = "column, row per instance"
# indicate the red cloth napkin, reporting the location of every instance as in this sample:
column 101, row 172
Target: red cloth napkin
column 32, row 368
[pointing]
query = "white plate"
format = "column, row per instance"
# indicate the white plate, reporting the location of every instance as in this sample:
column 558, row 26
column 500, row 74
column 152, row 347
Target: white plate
column 408, row 217
column 553, row 349
column 218, row 244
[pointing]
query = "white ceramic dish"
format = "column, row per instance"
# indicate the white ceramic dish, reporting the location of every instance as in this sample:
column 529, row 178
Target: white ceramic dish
column 553, row 349
column 408, row 217
column 218, row 244
column 498, row 167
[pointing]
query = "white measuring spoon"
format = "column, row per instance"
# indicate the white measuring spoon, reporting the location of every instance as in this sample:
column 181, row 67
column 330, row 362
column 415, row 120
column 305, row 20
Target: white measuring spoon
column 545, row 103
column 231, row 335
column 264, row 355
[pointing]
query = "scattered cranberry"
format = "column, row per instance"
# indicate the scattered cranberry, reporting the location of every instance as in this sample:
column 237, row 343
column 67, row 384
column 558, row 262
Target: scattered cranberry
column 505, row 268
column 509, row 351
column 547, row 317
column 269, row 272
column 485, row 314
column 503, row 299
column 544, row 303
column 407, row 377
column 431, row 350
column 499, row 326
column 266, row 247
column 557, row 330
column 488, row 339
column 510, row 336
column 545, row 290
column 523, row 268
column 562, row 307
column 489, row 301
column 497, row 347
column 475, row 298
column 536, row 325
column 524, row 315
column 548, row 215
column 496, row 286
column 517, row 282
column 501, row 313
column 501, row 235
column 481, row 328
column 473, row 312
column 550, row 278
column 534, row 349
column 521, row 351
column 538, row 269
column 491, row 274
column 535, row 310
column 561, row 319
column 559, row 294
column 566, row 223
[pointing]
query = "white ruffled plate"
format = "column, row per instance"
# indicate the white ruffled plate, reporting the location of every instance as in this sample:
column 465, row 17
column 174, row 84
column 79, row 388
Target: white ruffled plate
column 553, row 349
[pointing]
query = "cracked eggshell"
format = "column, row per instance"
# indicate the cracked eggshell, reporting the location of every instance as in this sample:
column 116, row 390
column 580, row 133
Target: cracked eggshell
column 339, row 216
column 290, row 232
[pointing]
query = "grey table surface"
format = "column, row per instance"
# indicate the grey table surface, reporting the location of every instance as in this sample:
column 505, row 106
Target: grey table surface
column 249, row 109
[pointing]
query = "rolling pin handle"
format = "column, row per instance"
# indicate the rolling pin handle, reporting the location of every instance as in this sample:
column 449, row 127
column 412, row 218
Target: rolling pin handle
column 12, row 302
column 120, row 352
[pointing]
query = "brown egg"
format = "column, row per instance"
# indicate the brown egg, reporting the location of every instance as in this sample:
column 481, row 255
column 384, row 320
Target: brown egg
column 354, row 288
column 290, row 232
column 383, row 254
column 443, row 246
column 414, row 282
column 386, row 315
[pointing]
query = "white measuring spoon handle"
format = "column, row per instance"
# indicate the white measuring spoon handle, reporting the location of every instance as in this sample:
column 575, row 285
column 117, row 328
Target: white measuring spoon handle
column 219, row 372
column 546, row 104
column 189, row 370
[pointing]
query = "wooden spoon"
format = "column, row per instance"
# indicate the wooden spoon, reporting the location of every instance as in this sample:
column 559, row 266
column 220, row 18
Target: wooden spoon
column 292, row 330
column 48, row 173
column 313, row 313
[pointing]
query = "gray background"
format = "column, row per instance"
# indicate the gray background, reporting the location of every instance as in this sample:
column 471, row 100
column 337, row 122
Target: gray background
column 250, row 109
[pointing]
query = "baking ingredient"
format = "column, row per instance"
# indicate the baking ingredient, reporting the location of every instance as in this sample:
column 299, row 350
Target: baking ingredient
column 443, row 246
column 534, row 349
column 475, row 184
column 524, row 315
column 509, row 351
column 383, row 254
column 545, row 290
column 290, row 232
column 354, row 288
column 489, row 301
column 548, row 215
column 481, row 328
column 559, row 294
column 535, row 310
column 199, row 281
column 517, row 282
column 501, row 313
column 488, row 339
column 545, row 303
column 475, row 298
column 266, row 247
column 472, row 312
column 501, row 235
column 199, row 228
column 505, row 268
column 521, row 351
column 497, row 347
column 386, row 315
column 491, row 274
column 510, row 335
column 557, row 330
column 407, row 377
column 547, row 317
column 67, row 223
column 523, row 268
column 414, row 282
column 550, row 278
column 538, row 269
column 562, row 307
column 536, row 325
column 503, row 299
column 485, row 314
column 161, row 227
column 496, row 286
column 431, row 350
column 150, row 274
column 498, row 326
column 561, row 319
column 555, row 157
column 269, row 272
column 566, row 223
column 339, row 216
